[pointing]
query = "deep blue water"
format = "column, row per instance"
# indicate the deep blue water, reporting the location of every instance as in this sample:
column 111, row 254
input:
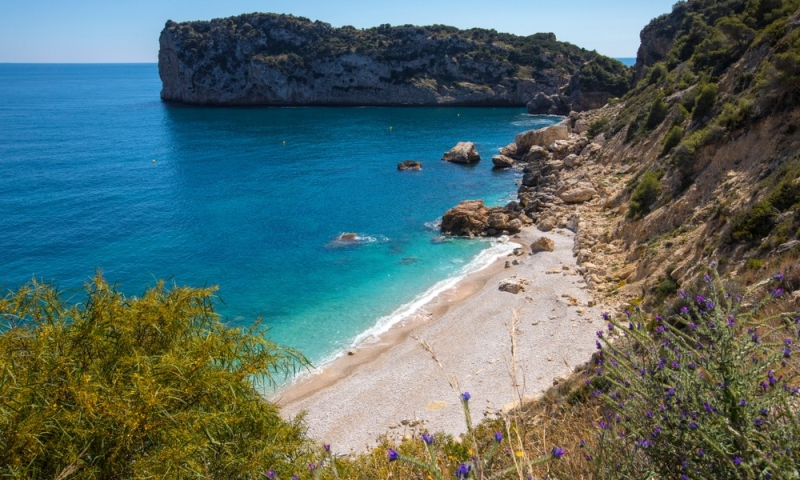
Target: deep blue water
column 97, row 172
column 629, row 61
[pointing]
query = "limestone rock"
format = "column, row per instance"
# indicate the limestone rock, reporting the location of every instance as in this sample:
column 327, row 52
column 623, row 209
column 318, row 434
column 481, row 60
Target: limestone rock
column 542, row 244
column 536, row 153
column 502, row 161
column 463, row 152
column 409, row 165
column 544, row 137
column 546, row 224
column 509, row 150
column 582, row 192
column 468, row 218
column 513, row 285
column 572, row 161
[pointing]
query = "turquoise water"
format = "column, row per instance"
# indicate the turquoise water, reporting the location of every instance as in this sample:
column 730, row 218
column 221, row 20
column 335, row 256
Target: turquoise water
column 97, row 172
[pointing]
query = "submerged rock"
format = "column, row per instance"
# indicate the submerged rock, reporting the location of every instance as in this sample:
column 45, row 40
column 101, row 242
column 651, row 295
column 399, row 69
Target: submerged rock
column 409, row 165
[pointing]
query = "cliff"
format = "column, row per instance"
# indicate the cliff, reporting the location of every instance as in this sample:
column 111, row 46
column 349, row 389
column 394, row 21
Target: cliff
column 269, row 59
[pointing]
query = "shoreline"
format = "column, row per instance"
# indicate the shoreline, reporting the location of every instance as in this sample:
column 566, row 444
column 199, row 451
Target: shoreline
column 391, row 385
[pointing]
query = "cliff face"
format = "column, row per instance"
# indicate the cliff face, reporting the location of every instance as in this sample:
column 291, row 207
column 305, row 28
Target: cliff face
column 267, row 59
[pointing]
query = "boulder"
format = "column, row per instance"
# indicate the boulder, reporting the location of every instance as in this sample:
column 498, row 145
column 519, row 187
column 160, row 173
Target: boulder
column 544, row 137
column 542, row 244
column 509, row 150
column 463, row 152
column 514, row 226
column 536, row 153
column 497, row 221
column 572, row 160
column 513, row 285
column 468, row 218
column 409, row 165
column 582, row 192
column 502, row 161
column 546, row 224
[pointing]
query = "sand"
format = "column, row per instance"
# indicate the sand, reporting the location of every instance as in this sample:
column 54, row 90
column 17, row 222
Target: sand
column 392, row 385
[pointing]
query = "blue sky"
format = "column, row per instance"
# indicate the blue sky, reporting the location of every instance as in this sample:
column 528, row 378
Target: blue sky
column 127, row 31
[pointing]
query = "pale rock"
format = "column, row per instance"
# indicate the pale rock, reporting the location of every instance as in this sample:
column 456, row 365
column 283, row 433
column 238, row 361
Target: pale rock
column 543, row 137
column 509, row 150
column 513, row 285
column 542, row 244
column 502, row 161
column 572, row 161
column 546, row 224
column 582, row 192
column 536, row 153
column 463, row 152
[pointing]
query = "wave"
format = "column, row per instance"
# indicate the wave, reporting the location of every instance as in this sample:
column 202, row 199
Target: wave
column 349, row 239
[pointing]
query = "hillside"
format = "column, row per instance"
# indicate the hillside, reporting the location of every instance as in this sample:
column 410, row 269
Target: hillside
column 269, row 59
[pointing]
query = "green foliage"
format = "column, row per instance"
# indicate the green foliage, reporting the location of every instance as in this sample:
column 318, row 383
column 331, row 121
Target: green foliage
column 754, row 264
column 754, row 224
column 156, row 387
column 672, row 139
column 708, row 393
column 658, row 73
column 658, row 112
column 602, row 74
column 645, row 194
column 597, row 127
column 704, row 101
column 735, row 115
column 667, row 287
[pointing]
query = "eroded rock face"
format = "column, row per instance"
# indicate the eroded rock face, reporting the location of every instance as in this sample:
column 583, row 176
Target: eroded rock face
column 471, row 218
column 544, row 137
column 463, row 152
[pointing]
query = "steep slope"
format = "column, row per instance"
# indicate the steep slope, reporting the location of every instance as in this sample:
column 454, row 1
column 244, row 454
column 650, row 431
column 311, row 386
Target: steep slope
column 698, row 164
column 268, row 59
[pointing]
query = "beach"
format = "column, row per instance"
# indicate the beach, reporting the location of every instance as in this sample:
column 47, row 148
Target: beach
column 392, row 385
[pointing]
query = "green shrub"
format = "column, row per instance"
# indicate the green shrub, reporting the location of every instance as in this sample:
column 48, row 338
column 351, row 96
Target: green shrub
column 150, row 387
column 658, row 112
column 667, row 287
column 597, row 127
column 756, row 223
column 658, row 73
column 706, row 97
column 708, row 393
column 645, row 195
column 754, row 264
column 672, row 139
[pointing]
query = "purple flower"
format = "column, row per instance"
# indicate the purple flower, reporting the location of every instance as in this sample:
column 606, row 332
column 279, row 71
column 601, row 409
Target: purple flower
column 659, row 318
column 628, row 313
column 649, row 414
column 599, row 346
column 393, row 455
column 682, row 294
column 777, row 292
column 630, row 326
column 742, row 402
column 606, row 316
column 710, row 305
column 610, row 327
column 701, row 299
column 787, row 352
column 685, row 310
column 707, row 278
column 675, row 365
column 692, row 425
column 582, row 444
column 731, row 321
column 463, row 470
column 692, row 326
column 270, row 474
column 603, row 425
column 311, row 467
column 427, row 438
column 295, row 477
column 778, row 276
column 558, row 452
column 737, row 461
column 327, row 447
column 756, row 336
column 465, row 397
column 643, row 443
column 701, row 452
column 498, row 437
column 599, row 334
column 758, row 422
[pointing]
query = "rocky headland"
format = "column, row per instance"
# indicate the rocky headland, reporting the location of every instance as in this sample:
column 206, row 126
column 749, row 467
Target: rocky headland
column 269, row 59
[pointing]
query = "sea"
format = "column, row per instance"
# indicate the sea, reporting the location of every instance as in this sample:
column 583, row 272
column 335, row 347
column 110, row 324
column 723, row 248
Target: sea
column 96, row 173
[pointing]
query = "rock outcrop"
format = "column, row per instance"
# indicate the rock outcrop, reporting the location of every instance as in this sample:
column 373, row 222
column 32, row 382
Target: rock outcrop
column 471, row 218
column 269, row 59
column 463, row 152
column 409, row 165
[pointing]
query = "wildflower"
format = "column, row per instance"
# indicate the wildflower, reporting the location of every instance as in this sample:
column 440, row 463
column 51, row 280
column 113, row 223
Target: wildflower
column 771, row 378
column 682, row 294
column 656, row 431
column 710, row 305
column 498, row 437
column 778, row 276
column 270, row 474
column 742, row 402
column 692, row 425
column 712, row 324
column 630, row 326
column 756, row 336
column 393, row 455
column 463, row 470
column 675, row 365
column 708, row 408
column 610, row 327
column 427, row 438
column 692, row 326
column 737, row 461
column 327, row 447
column 692, row 366
column 558, row 452
column 614, row 363
column 707, row 278
column 660, row 329
column 649, row 414
column 295, row 477
column 685, row 310
column 764, row 412
column 701, row 299
column 731, row 321
column 606, row 316
column 670, row 393
column 659, row 318
column 777, row 292
column 603, row 425
column 642, row 371
column 701, row 452
column 465, row 397
column 599, row 346
column 758, row 422
column 582, row 444
column 311, row 467
column 628, row 313
column 599, row 334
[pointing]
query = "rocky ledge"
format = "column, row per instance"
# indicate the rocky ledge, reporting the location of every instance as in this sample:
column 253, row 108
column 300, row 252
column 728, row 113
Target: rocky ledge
column 269, row 59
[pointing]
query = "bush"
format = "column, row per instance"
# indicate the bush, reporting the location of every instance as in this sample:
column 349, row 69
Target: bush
column 704, row 102
column 597, row 127
column 658, row 112
column 672, row 139
column 708, row 393
column 755, row 224
column 156, row 387
column 645, row 195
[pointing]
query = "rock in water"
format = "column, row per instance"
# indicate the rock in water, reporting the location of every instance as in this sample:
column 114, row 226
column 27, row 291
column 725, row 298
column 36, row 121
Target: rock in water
column 409, row 165
column 468, row 218
column 502, row 161
column 542, row 244
column 463, row 152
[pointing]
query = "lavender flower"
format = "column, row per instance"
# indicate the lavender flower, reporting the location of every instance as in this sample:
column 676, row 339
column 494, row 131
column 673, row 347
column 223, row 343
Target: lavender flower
column 327, row 447
column 393, row 455
column 778, row 276
column 599, row 334
column 685, row 310
column 498, row 437
column 465, row 397
column 777, row 292
column 463, row 470
column 731, row 321
column 270, row 474
column 558, row 452
column 737, row 461
column 606, row 316
column 682, row 294
column 427, row 438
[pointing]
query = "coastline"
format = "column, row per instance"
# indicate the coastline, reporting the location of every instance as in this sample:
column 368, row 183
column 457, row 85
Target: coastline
column 391, row 385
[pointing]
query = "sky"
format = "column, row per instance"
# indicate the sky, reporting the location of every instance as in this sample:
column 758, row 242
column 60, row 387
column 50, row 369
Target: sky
column 126, row 31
